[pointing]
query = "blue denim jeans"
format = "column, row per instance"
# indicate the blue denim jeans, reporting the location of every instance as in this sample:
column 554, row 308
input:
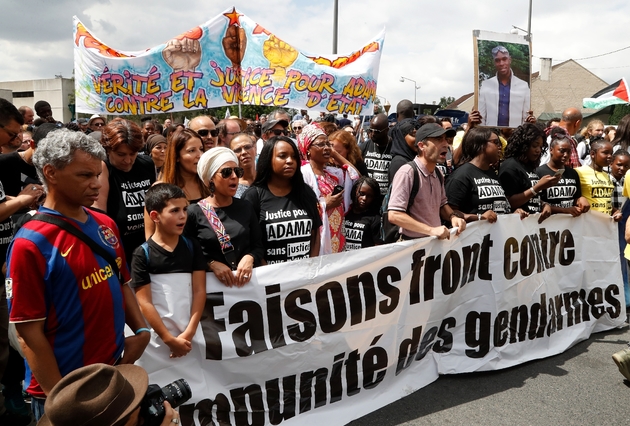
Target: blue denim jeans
column 37, row 407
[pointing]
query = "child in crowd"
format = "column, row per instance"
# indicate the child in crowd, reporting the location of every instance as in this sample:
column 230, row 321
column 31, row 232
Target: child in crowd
column 595, row 183
column 362, row 224
column 165, row 252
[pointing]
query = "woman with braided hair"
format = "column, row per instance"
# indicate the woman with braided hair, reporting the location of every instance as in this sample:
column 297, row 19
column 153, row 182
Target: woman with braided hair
column 517, row 173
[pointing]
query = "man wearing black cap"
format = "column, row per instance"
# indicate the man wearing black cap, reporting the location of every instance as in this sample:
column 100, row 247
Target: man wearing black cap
column 423, row 217
column 269, row 129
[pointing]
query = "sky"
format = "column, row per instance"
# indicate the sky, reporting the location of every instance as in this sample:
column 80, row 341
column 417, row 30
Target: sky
column 429, row 42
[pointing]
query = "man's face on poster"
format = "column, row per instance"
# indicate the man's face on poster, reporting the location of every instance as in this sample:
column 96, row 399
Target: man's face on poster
column 502, row 63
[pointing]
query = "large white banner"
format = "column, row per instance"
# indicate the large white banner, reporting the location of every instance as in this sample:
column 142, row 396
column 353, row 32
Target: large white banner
column 330, row 339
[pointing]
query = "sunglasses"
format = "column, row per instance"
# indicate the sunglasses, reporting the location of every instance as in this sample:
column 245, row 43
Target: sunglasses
column 204, row 132
column 227, row 172
column 99, row 124
column 371, row 130
column 242, row 148
column 297, row 127
column 279, row 132
column 322, row 145
column 10, row 133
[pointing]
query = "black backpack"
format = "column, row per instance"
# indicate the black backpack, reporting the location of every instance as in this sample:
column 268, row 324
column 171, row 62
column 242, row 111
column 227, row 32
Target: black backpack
column 389, row 232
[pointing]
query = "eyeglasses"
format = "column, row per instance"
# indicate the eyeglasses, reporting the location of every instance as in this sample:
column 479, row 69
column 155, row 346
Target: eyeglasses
column 297, row 127
column 10, row 133
column 279, row 132
column 243, row 148
column 227, row 172
column 371, row 130
column 204, row 132
column 233, row 133
column 322, row 145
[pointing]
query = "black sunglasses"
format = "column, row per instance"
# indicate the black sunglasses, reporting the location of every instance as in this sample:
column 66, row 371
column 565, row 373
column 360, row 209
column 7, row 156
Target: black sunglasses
column 227, row 172
column 279, row 132
column 204, row 132
column 371, row 130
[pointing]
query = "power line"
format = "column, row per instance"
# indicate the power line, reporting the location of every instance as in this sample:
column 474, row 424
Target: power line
column 590, row 57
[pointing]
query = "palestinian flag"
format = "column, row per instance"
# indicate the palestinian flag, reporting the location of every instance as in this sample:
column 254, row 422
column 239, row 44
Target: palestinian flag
column 616, row 93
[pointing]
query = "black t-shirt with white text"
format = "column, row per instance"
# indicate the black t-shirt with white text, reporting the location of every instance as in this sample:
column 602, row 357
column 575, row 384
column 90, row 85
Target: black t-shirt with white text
column 361, row 230
column 187, row 257
column 475, row 191
column 377, row 161
column 515, row 178
column 565, row 192
column 125, row 201
column 285, row 226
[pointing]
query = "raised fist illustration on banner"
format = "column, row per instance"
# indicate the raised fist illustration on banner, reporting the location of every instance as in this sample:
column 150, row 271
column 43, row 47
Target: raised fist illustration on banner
column 280, row 55
column 234, row 44
column 183, row 53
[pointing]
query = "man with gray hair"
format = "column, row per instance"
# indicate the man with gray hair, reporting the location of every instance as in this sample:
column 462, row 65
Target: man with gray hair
column 503, row 99
column 70, row 301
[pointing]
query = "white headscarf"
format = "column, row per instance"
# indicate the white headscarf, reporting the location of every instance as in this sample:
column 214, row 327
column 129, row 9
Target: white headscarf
column 212, row 160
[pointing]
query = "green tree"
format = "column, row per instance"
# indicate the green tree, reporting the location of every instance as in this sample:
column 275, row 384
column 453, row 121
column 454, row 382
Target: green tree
column 445, row 101
column 619, row 111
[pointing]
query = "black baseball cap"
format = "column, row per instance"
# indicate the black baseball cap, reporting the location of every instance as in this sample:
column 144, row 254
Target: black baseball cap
column 433, row 130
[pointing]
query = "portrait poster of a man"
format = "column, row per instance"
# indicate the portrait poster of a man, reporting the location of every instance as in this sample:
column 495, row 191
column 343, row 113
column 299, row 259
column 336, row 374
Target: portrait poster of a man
column 502, row 67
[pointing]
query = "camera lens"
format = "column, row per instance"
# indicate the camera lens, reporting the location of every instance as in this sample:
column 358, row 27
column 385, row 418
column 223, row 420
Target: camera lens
column 177, row 392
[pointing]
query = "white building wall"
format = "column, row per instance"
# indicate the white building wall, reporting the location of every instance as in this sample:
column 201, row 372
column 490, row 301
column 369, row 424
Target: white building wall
column 55, row 91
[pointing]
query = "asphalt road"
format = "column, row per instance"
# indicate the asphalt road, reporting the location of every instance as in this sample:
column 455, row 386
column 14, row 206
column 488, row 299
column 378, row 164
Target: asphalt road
column 581, row 386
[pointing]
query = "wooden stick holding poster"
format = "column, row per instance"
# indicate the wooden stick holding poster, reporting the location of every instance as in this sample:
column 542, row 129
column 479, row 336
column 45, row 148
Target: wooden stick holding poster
column 502, row 78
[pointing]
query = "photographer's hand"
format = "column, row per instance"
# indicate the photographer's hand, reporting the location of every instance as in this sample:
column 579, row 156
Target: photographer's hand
column 171, row 416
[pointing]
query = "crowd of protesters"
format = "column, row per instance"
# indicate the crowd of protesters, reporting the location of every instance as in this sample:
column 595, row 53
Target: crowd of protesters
column 227, row 196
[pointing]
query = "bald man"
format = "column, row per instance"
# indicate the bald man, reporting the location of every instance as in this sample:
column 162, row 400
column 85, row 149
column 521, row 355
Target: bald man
column 227, row 128
column 28, row 114
column 376, row 151
column 404, row 109
column 571, row 121
column 206, row 129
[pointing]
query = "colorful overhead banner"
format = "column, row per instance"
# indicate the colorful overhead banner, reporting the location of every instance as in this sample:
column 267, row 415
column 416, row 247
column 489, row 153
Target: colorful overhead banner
column 227, row 60
column 324, row 341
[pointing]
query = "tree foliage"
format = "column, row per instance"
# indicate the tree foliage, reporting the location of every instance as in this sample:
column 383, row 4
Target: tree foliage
column 619, row 111
column 445, row 101
column 518, row 52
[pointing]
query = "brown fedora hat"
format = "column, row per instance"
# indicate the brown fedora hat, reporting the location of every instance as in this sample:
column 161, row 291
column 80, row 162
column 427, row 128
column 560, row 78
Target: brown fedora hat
column 96, row 395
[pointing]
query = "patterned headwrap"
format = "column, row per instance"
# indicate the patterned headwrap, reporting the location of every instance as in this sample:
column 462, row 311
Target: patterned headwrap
column 309, row 133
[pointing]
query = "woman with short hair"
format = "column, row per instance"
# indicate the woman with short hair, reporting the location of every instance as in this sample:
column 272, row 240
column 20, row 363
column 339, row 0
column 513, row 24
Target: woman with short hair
column 125, row 178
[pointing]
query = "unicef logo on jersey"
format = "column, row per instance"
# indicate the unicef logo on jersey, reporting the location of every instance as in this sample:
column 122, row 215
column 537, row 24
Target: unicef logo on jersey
column 108, row 236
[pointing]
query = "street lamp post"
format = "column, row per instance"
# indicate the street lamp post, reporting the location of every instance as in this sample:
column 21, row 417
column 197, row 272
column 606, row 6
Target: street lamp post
column 386, row 105
column 415, row 85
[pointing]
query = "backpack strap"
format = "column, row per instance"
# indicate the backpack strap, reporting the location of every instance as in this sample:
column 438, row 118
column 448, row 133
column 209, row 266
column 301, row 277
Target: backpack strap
column 188, row 244
column 416, row 184
column 145, row 248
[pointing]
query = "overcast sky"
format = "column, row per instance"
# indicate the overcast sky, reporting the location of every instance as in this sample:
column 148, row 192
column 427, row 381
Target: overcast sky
column 427, row 41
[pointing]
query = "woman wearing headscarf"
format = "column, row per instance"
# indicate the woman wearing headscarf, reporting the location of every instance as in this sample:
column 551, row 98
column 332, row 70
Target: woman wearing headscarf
column 156, row 148
column 225, row 226
column 331, row 185
column 403, row 136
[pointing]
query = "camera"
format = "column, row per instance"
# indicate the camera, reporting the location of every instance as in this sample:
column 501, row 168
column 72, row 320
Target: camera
column 152, row 408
